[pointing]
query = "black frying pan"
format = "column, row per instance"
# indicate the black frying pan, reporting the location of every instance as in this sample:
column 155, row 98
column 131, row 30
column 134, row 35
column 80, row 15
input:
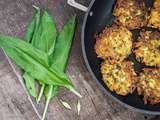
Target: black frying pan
column 97, row 17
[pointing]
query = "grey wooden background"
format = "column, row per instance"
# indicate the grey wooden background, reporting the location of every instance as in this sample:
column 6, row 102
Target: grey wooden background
column 14, row 103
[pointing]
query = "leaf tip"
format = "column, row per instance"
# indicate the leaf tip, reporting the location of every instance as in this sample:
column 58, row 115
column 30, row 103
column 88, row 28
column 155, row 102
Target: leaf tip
column 75, row 92
column 78, row 107
column 35, row 7
column 65, row 104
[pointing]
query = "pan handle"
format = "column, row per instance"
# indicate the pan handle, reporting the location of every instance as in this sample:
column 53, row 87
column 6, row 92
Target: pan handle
column 73, row 3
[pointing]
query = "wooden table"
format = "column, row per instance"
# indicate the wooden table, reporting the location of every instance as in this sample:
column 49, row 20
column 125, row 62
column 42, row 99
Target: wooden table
column 14, row 103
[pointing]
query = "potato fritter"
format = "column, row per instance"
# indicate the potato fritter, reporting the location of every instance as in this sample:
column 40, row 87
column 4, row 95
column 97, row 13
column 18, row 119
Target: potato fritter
column 130, row 13
column 119, row 77
column 154, row 18
column 114, row 43
column 149, row 86
column 147, row 49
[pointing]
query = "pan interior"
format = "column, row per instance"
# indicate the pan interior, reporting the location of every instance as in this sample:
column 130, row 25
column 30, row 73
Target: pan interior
column 99, row 16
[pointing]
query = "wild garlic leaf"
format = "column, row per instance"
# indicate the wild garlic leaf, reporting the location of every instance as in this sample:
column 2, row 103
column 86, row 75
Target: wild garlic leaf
column 33, row 61
column 41, row 57
column 46, row 34
column 64, row 40
column 60, row 44
column 30, row 84
column 44, row 39
column 33, row 25
column 63, row 45
column 78, row 107
column 36, row 69
column 30, row 32
column 66, row 105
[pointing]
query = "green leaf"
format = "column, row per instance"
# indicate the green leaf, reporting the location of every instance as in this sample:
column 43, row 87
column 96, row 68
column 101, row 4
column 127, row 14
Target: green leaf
column 62, row 41
column 30, row 84
column 33, row 61
column 32, row 26
column 41, row 57
column 31, row 29
column 66, row 105
column 45, row 37
column 35, row 68
column 63, row 45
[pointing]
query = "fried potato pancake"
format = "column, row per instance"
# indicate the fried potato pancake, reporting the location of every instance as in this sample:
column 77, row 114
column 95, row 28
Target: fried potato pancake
column 149, row 85
column 147, row 49
column 130, row 13
column 114, row 43
column 119, row 77
column 154, row 18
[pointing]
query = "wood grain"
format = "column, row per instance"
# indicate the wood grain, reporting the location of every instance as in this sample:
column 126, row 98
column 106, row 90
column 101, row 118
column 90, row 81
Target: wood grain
column 14, row 102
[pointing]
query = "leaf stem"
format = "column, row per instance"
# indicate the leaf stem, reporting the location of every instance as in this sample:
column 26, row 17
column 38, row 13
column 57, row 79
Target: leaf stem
column 47, row 101
column 72, row 89
column 40, row 94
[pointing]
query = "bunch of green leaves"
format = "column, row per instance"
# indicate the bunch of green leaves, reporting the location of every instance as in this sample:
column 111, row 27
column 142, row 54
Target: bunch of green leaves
column 43, row 55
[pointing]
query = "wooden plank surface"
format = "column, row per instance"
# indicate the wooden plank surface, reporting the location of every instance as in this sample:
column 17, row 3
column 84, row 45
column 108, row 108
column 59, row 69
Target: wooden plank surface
column 14, row 103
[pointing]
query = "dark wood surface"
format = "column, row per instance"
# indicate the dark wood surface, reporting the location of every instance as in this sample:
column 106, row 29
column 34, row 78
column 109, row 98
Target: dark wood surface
column 14, row 102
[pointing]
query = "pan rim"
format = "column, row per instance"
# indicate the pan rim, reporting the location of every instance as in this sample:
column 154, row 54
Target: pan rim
column 94, row 77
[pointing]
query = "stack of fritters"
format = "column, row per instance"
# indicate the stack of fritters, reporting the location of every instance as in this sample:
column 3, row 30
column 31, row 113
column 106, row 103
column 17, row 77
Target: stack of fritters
column 115, row 44
column 147, row 51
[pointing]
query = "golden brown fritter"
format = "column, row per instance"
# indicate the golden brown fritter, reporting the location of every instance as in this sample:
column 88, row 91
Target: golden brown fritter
column 114, row 43
column 149, row 86
column 154, row 18
column 147, row 49
column 119, row 77
column 130, row 13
